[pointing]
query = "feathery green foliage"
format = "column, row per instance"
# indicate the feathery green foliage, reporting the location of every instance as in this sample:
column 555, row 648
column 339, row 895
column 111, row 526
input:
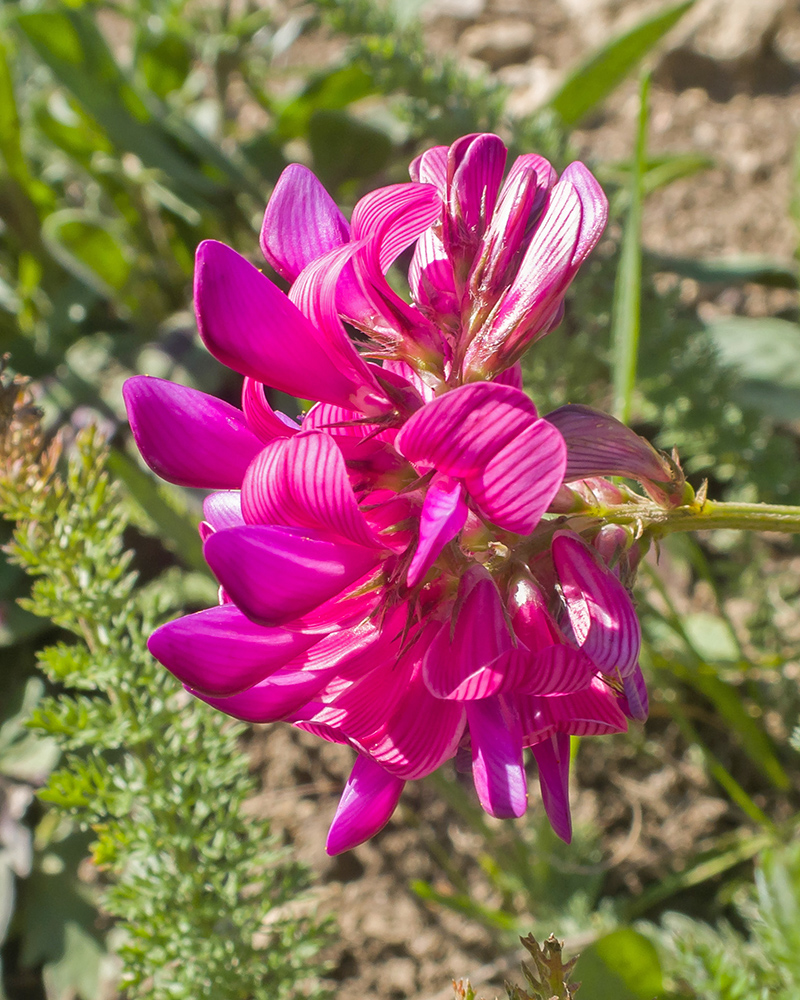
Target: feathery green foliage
column 205, row 898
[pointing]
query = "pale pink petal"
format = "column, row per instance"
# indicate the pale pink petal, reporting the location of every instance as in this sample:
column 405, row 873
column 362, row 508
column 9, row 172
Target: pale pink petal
column 444, row 513
column 368, row 801
column 599, row 608
column 303, row 481
column 188, row 437
column 261, row 418
column 595, row 210
column 466, row 659
column 301, row 223
column 223, row 510
column 552, row 759
column 518, row 482
column 275, row 574
column 221, row 652
column 600, row 445
column 497, row 768
column 430, row 167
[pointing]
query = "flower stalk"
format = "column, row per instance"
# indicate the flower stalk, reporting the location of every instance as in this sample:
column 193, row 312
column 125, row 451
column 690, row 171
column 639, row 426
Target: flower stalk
column 701, row 515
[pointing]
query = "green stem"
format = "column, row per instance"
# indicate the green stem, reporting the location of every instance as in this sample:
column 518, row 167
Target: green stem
column 703, row 516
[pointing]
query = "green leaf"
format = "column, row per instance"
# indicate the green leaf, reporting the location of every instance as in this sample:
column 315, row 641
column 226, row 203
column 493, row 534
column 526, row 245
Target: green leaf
column 622, row 965
column 345, row 149
column 766, row 353
column 596, row 78
column 754, row 268
column 87, row 249
column 331, row 91
column 626, row 312
column 72, row 46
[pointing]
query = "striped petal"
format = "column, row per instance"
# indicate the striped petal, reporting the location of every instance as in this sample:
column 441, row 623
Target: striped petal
column 466, row 660
column 303, row 481
column 188, row 437
column 261, row 418
column 223, row 510
column 301, row 222
column 600, row 610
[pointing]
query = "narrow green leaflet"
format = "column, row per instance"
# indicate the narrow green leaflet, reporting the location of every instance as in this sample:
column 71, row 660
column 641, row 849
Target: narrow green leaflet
column 597, row 77
column 626, row 316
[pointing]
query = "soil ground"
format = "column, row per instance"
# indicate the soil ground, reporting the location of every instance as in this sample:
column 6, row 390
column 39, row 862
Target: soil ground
column 726, row 85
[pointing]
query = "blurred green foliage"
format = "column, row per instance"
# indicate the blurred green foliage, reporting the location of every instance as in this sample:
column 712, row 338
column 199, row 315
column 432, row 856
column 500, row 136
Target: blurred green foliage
column 131, row 130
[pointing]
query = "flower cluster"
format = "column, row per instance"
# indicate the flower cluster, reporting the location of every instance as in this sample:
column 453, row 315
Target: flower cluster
column 394, row 575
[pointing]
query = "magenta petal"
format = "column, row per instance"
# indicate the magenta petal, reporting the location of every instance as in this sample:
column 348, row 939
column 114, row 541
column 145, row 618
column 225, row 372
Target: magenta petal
column 261, row 418
column 595, row 210
column 552, row 759
column 444, row 513
column 600, row 610
column 460, row 431
column 430, row 167
column 251, row 326
column 511, row 376
column 594, row 711
column 497, row 768
column 188, row 437
column 600, row 445
column 557, row 669
column 220, row 652
column 280, row 695
column 476, row 181
column 518, row 482
column 301, row 223
column 466, row 661
column 275, row 574
column 367, row 803
column 303, row 481
column 223, row 510
column 635, row 695
column 395, row 216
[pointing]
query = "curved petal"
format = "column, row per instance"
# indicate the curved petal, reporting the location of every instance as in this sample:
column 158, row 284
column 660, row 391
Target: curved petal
column 497, row 768
column 188, row 437
column 394, row 217
column 595, row 210
column 600, row 445
column 518, row 482
column 223, row 510
column 278, row 696
column 367, row 803
column 444, row 514
column 460, row 431
column 303, row 481
column 430, row 277
column 466, row 661
column 635, row 701
column 552, row 759
column 249, row 325
column 220, row 652
column 556, row 669
column 261, row 418
column 430, row 167
column 275, row 575
column 476, row 181
column 600, row 610
column 301, row 222
column 591, row 712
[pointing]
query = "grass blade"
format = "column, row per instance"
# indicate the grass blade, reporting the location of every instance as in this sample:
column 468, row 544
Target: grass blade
column 626, row 319
column 592, row 82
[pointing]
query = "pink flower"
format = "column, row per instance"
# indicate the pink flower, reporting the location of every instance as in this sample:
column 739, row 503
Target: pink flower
column 388, row 577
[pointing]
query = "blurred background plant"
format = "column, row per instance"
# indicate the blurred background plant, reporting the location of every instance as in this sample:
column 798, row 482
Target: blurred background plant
column 129, row 132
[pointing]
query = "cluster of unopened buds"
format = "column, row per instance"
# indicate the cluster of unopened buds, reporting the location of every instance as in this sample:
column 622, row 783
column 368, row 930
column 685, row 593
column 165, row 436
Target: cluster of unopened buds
column 420, row 568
